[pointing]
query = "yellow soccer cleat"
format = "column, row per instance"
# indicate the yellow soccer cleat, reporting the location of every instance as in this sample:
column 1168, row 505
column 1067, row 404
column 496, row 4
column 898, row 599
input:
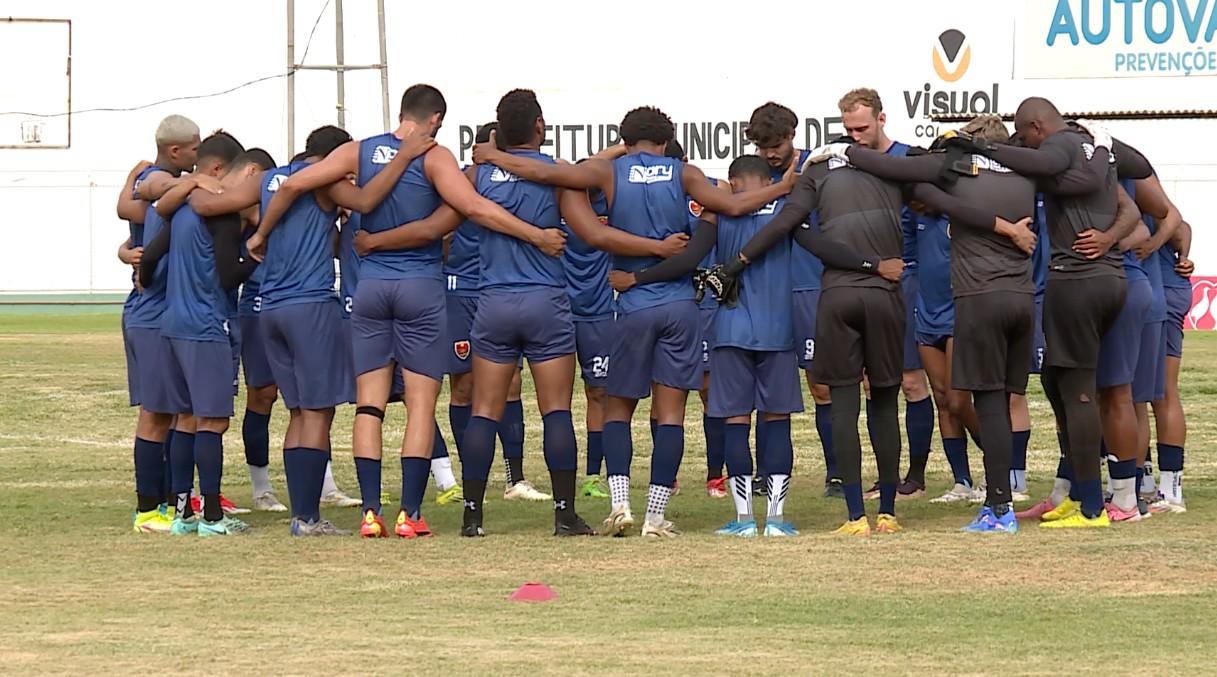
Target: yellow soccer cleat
column 151, row 522
column 1076, row 520
column 453, row 494
column 887, row 524
column 858, row 527
column 1065, row 509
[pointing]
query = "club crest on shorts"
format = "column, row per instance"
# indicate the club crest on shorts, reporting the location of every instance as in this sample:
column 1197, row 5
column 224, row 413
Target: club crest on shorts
column 603, row 220
column 695, row 209
column 461, row 348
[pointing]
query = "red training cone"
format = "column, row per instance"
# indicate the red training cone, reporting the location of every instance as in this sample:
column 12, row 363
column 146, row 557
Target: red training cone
column 533, row 592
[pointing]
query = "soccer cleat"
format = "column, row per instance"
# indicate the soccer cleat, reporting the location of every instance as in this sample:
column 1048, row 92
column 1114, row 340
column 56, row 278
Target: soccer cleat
column 1019, row 497
column 266, row 502
column 887, row 524
column 595, row 487
column 235, row 526
column 664, row 529
column 619, row 522
column 834, row 489
column 408, row 528
column 716, row 488
column 872, row 493
column 185, row 526
column 1143, row 509
column 525, row 491
column 759, row 486
column 988, row 522
column 1076, row 520
column 780, row 529
column 337, row 499
column 453, row 494
column 958, row 493
column 1167, row 506
column 373, row 525
column 909, row 490
column 227, row 506
column 472, row 531
column 319, row 528
column 1065, row 509
column 164, row 510
column 209, row 529
column 1116, row 514
column 979, row 494
column 151, row 522
column 737, row 528
column 858, row 527
column 573, row 527
column 1036, row 511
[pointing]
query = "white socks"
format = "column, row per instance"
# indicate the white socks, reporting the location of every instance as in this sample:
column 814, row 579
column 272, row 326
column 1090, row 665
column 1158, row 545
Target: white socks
column 778, row 486
column 441, row 469
column 328, row 487
column 260, row 477
column 741, row 494
column 657, row 503
column 619, row 489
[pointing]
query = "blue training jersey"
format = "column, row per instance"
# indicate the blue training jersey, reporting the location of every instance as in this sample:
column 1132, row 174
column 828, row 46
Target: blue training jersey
column 1133, row 270
column 908, row 219
column 149, row 306
column 348, row 264
column 1153, row 272
column 649, row 201
column 935, row 301
column 299, row 262
column 463, row 269
column 763, row 318
column 196, row 304
column 806, row 269
column 708, row 302
column 591, row 297
column 510, row 264
column 1040, row 257
column 136, row 232
column 412, row 199
column 250, row 303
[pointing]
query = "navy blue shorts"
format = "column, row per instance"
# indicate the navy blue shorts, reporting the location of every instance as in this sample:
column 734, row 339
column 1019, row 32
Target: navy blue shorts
column 1178, row 303
column 403, row 321
column 1149, row 381
column 132, row 375
column 1038, row 343
column 305, row 351
column 535, row 324
column 592, row 343
column 234, row 342
column 150, row 362
column 806, row 305
column 461, row 310
column 197, row 377
column 707, row 316
column 253, row 353
column 911, row 285
column 936, row 341
column 1121, row 345
column 743, row 381
column 661, row 344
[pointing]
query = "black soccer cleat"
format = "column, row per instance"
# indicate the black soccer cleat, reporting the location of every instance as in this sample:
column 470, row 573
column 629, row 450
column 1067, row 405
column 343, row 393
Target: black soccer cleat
column 472, row 530
column 760, row 486
column 834, row 489
column 572, row 527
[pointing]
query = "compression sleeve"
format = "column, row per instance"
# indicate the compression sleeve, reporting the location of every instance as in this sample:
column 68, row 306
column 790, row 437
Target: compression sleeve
column 699, row 245
column 226, row 240
column 959, row 211
column 1130, row 163
column 154, row 251
column 1048, row 160
column 1082, row 181
column 833, row 254
column 909, row 169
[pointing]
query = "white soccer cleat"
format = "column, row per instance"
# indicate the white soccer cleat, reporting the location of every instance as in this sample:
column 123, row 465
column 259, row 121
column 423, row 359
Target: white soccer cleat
column 337, row 499
column 1019, row 497
column 619, row 522
column 266, row 502
column 525, row 491
column 664, row 529
column 959, row 493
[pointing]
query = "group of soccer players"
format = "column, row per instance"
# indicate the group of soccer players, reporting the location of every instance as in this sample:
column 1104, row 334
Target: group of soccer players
column 1054, row 251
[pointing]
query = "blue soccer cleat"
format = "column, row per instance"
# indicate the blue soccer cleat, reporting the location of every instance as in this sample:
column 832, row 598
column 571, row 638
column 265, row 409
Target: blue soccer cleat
column 738, row 528
column 780, row 529
column 988, row 522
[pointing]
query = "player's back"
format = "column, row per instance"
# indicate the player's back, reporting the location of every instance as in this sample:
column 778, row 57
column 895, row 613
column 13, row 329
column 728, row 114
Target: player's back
column 149, row 306
column 763, row 318
column 982, row 260
column 1133, row 269
column 861, row 211
column 348, row 263
column 806, row 270
column 299, row 262
column 649, row 201
column 1070, row 216
column 591, row 297
column 413, row 198
column 463, row 268
column 507, row 263
column 196, row 304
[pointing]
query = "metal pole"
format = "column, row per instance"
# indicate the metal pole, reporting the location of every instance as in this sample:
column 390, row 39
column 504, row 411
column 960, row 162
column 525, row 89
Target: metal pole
column 291, row 77
column 384, row 63
column 340, row 58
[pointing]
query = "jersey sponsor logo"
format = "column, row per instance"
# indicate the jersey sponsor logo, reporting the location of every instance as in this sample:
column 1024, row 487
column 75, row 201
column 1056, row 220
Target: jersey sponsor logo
column 982, row 162
column 652, row 174
column 837, row 163
column 768, row 209
column 383, row 155
column 461, row 349
column 695, row 209
column 502, row 176
column 276, row 181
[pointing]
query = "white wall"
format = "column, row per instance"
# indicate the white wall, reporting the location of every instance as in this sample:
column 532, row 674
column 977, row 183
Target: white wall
column 704, row 63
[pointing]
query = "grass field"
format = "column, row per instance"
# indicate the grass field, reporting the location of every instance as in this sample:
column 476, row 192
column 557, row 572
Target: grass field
column 81, row 594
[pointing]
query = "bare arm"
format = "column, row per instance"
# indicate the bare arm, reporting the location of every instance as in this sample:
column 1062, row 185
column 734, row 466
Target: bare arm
column 245, row 195
column 156, row 185
column 442, row 221
column 577, row 211
column 612, row 152
column 1182, row 242
column 128, row 254
column 130, row 207
column 1152, row 200
column 175, row 198
column 331, row 169
column 1095, row 243
column 698, row 187
column 374, row 192
column 594, row 173
column 1139, row 234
